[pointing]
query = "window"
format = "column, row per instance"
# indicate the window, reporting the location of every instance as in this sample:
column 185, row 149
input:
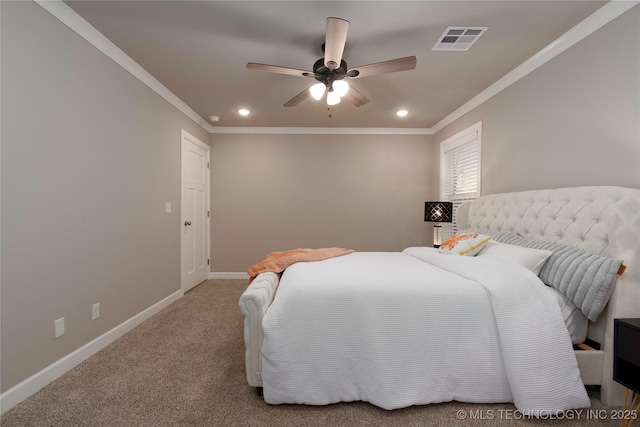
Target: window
column 460, row 159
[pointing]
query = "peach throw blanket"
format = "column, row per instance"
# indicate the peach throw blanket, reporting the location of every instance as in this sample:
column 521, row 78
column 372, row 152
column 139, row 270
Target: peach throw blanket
column 277, row 262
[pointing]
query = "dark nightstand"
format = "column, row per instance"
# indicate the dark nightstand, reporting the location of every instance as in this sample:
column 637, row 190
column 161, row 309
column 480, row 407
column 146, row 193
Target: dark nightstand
column 626, row 353
column 626, row 359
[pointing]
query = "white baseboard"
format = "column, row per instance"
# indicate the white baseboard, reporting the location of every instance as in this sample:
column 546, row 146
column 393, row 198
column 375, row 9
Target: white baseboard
column 228, row 275
column 26, row 388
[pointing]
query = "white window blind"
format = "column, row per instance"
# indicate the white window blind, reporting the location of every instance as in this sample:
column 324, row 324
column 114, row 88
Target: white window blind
column 460, row 172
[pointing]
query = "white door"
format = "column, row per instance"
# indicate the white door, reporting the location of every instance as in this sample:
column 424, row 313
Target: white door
column 195, row 211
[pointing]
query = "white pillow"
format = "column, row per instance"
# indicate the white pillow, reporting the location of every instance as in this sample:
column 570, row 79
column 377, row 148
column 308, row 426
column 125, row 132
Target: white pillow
column 464, row 244
column 532, row 259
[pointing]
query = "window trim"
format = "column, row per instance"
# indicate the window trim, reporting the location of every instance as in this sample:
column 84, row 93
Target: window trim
column 470, row 135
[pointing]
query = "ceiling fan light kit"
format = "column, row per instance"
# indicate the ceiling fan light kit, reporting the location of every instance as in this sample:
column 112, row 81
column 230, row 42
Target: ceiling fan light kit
column 331, row 71
column 340, row 87
column 317, row 91
column 333, row 98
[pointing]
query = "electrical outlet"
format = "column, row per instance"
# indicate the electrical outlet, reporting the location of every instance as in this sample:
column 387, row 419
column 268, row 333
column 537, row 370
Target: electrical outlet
column 95, row 311
column 167, row 207
column 58, row 327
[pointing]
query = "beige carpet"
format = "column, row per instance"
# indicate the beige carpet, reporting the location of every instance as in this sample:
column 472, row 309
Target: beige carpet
column 185, row 367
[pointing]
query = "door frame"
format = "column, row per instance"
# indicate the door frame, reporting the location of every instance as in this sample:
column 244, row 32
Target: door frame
column 186, row 137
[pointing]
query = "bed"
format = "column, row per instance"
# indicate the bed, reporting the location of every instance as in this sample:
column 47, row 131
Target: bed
column 419, row 327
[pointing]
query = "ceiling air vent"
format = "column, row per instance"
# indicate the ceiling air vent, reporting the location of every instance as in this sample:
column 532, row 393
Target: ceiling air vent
column 459, row 38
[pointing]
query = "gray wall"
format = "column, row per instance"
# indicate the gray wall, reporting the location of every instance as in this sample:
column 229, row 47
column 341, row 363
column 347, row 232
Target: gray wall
column 279, row 192
column 574, row 121
column 89, row 157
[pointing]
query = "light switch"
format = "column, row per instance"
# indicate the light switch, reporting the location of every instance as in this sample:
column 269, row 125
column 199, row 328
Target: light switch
column 58, row 327
column 167, row 207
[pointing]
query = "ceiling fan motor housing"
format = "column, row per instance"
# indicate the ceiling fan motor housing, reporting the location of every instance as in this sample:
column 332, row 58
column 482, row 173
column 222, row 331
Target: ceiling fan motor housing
column 323, row 74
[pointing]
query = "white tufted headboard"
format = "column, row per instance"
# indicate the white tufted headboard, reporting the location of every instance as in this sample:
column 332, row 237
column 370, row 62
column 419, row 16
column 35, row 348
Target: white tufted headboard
column 601, row 220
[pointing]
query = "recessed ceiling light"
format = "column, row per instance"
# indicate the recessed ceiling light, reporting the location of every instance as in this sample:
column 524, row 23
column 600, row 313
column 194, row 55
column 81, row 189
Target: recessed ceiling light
column 402, row 113
column 243, row 112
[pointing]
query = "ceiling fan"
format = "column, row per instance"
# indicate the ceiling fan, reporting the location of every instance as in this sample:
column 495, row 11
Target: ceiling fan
column 331, row 71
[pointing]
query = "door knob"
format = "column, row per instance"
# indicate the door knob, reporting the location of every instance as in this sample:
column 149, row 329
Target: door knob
column 187, row 223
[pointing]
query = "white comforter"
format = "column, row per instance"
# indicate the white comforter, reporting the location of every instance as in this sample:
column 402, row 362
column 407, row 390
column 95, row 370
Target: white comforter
column 417, row 327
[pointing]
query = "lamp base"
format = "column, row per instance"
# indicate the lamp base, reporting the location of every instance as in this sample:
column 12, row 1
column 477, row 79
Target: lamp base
column 436, row 236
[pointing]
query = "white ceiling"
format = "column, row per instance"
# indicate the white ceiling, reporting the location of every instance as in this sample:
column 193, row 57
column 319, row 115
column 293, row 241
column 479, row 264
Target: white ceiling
column 199, row 51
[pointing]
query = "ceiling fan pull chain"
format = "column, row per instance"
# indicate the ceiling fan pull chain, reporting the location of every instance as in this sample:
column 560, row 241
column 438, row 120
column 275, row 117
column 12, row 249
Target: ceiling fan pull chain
column 329, row 110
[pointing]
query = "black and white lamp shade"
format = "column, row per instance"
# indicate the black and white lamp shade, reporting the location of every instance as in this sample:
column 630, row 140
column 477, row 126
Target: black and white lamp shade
column 438, row 212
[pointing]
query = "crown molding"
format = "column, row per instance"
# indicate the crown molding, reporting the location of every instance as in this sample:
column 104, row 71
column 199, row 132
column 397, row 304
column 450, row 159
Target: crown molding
column 324, row 131
column 592, row 23
column 589, row 25
column 75, row 22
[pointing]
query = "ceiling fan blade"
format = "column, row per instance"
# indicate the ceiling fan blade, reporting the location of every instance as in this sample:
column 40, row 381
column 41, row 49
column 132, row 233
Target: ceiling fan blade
column 384, row 67
column 298, row 98
column 355, row 97
column 336, row 38
column 279, row 70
